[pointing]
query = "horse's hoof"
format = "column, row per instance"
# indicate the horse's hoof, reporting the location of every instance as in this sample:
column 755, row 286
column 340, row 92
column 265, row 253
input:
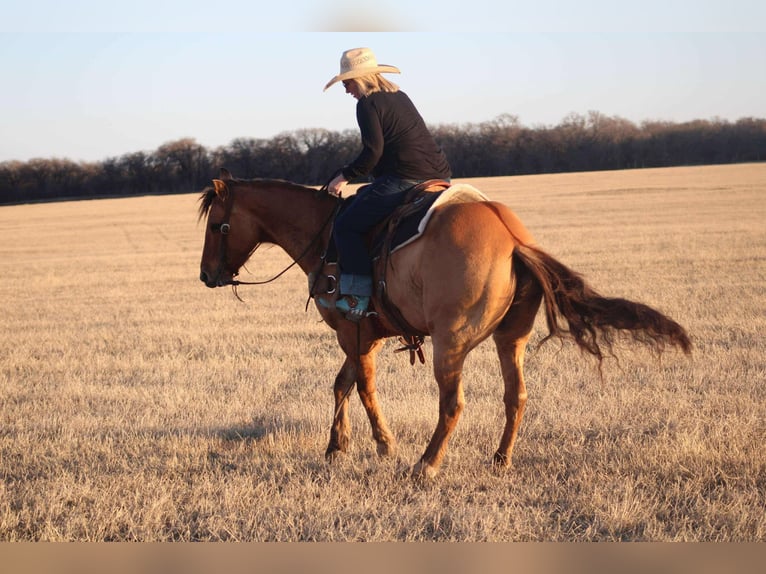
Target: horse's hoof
column 386, row 448
column 333, row 453
column 424, row 472
column 500, row 460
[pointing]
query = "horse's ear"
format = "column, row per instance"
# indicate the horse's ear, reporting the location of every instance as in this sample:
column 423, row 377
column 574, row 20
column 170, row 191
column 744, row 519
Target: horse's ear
column 221, row 189
column 225, row 174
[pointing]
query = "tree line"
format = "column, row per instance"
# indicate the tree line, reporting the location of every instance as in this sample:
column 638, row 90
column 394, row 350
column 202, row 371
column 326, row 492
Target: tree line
column 500, row 147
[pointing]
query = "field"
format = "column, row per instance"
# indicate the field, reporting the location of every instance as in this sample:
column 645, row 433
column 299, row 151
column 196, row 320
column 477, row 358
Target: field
column 136, row 404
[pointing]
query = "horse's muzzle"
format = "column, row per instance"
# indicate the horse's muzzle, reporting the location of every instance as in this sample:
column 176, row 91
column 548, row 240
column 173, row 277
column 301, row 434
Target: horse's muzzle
column 208, row 280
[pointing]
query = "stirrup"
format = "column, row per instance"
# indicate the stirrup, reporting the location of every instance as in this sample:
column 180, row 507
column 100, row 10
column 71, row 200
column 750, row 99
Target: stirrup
column 354, row 306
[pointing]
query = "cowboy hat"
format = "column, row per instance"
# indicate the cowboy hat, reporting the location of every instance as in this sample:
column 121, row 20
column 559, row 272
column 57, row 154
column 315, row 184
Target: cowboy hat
column 357, row 63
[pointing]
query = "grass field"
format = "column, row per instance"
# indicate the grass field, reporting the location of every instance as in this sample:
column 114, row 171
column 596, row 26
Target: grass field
column 138, row 405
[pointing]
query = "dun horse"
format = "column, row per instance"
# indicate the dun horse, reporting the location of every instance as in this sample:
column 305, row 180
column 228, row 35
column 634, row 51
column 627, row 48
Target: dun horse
column 475, row 273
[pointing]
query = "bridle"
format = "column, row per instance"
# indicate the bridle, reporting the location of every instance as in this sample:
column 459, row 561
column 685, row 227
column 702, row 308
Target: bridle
column 224, row 228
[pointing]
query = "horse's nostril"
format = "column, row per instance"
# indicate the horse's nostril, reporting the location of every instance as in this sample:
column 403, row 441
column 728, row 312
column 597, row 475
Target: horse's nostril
column 207, row 280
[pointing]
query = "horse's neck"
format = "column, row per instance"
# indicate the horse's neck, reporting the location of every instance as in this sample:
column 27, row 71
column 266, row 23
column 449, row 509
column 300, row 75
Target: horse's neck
column 296, row 220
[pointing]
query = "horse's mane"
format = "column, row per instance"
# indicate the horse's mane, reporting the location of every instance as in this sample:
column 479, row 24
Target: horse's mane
column 208, row 195
column 206, row 201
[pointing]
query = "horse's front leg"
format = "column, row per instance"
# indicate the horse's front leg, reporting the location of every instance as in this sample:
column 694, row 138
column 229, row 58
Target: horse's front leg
column 361, row 348
column 369, row 397
column 340, row 432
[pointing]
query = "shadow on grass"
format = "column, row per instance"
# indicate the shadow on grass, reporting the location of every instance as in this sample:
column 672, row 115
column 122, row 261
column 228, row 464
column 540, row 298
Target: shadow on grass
column 264, row 427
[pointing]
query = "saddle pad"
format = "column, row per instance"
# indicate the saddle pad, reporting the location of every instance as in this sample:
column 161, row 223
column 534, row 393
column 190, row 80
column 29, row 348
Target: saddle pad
column 413, row 226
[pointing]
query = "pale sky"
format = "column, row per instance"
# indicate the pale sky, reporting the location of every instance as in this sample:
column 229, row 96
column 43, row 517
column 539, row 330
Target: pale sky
column 88, row 80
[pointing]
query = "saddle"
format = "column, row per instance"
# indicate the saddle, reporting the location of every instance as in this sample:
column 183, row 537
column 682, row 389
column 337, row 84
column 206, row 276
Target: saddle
column 405, row 225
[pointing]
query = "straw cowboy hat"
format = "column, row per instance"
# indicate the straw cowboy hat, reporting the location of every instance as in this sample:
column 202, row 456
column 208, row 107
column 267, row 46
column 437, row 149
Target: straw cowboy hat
column 357, row 63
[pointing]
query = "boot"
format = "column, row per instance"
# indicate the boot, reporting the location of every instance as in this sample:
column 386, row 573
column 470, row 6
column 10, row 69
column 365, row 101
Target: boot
column 353, row 306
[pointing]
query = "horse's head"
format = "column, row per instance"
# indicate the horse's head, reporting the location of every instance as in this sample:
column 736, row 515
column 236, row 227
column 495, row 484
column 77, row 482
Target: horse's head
column 230, row 238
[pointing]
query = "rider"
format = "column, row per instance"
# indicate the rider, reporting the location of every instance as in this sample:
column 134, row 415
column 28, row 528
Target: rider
column 399, row 152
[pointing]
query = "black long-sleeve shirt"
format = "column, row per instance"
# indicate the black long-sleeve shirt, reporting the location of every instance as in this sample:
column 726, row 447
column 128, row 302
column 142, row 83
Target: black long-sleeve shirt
column 395, row 141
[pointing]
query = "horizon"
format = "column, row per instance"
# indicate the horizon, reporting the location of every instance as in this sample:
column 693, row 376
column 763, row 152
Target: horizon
column 639, row 125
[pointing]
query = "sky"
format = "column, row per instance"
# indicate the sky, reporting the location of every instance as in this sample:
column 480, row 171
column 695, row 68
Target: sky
column 88, row 80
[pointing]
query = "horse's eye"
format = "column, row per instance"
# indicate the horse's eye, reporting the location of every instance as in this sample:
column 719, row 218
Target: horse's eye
column 222, row 228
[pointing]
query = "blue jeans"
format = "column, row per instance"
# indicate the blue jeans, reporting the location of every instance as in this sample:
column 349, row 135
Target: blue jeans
column 371, row 205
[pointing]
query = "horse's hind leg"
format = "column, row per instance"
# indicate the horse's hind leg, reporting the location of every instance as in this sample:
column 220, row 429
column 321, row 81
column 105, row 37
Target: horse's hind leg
column 511, row 351
column 448, row 366
column 511, row 338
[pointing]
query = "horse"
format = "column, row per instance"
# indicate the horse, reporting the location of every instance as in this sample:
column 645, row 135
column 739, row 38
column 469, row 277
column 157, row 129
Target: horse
column 476, row 272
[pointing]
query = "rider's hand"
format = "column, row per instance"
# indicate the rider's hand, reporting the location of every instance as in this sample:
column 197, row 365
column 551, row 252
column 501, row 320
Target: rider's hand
column 336, row 185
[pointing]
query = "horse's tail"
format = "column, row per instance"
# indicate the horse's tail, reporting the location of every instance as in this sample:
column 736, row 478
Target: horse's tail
column 594, row 320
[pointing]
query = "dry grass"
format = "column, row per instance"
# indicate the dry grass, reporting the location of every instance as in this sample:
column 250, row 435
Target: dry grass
column 139, row 405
